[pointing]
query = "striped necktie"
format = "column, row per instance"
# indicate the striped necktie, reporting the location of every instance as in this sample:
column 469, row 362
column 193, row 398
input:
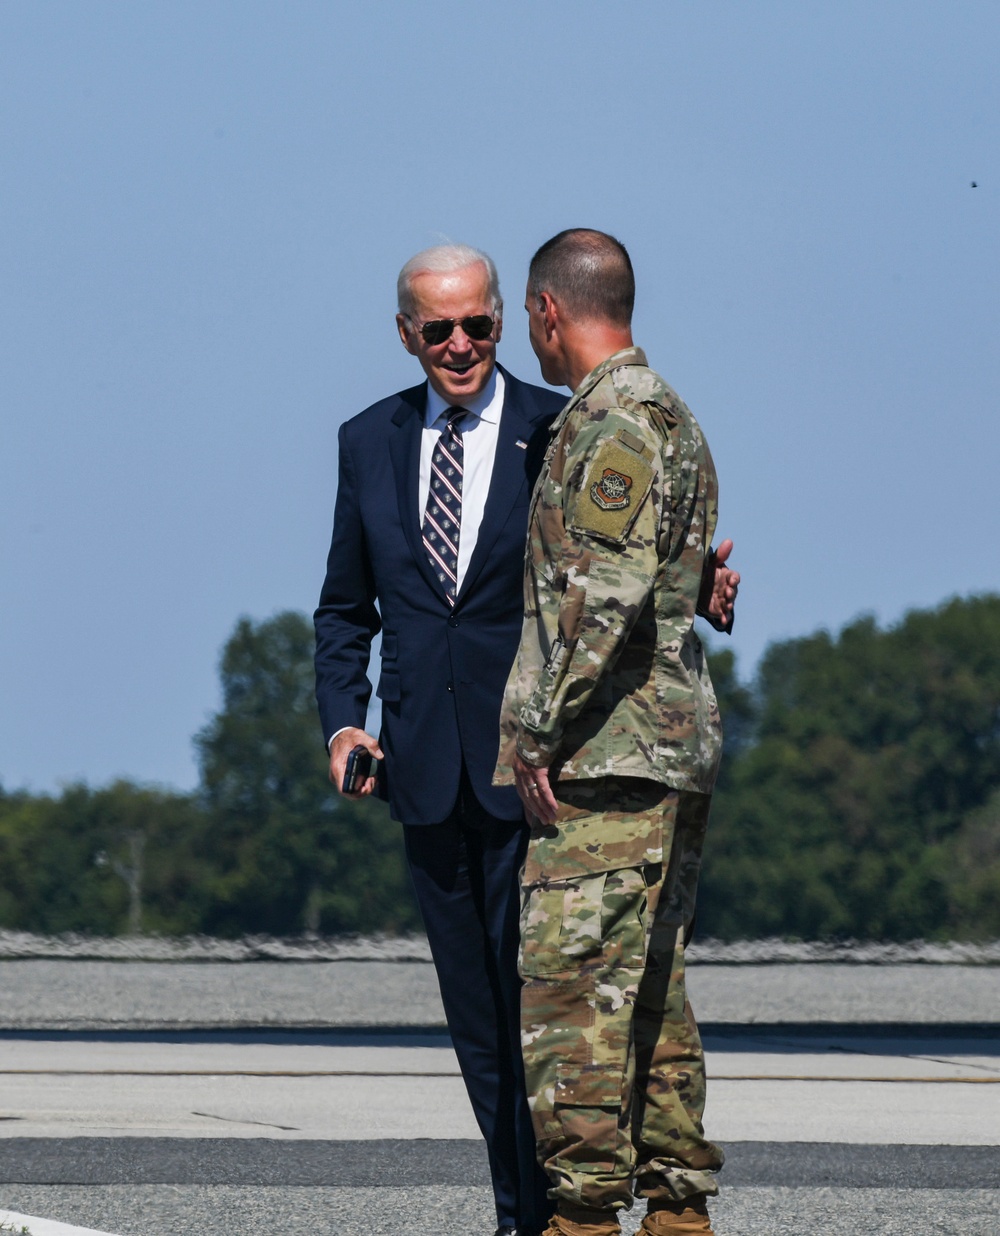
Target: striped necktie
column 443, row 513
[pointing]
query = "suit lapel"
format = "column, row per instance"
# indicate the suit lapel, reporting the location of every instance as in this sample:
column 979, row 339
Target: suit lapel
column 404, row 451
column 508, row 479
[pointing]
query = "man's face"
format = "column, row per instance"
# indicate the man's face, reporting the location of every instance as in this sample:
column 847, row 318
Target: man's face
column 459, row 368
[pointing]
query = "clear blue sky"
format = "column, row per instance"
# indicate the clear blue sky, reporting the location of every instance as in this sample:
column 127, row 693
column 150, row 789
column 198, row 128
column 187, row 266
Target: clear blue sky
column 204, row 207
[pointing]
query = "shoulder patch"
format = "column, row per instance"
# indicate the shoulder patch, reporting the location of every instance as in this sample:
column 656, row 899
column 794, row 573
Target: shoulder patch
column 617, row 482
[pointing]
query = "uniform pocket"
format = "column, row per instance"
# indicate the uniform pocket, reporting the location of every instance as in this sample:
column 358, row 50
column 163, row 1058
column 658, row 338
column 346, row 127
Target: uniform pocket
column 597, row 920
column 561, row 926
column 623, row 918
column 588, row 1143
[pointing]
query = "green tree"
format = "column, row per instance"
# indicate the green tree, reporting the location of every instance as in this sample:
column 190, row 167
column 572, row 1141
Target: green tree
column 859, row 796
column 105, row 861
column 972, row 864
column 286, row 852
column 737, row 706
column 872, row 752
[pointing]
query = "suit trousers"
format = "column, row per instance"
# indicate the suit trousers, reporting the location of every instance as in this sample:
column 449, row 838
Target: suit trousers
column 465, row 872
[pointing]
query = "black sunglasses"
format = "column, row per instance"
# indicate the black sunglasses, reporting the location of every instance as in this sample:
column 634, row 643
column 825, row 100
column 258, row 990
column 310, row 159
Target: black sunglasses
column 478, row 327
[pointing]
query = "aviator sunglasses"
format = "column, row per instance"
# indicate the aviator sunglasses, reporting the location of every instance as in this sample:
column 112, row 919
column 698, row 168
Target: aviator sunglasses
column 478, row 327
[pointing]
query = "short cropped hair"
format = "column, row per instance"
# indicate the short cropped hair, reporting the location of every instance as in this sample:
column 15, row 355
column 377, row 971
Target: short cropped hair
column 589, row 273
column 444, row 260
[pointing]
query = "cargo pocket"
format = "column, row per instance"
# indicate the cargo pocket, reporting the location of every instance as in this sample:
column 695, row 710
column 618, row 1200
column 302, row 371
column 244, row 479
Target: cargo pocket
column 589, row 1140
column 561, row 926
column 623, row 918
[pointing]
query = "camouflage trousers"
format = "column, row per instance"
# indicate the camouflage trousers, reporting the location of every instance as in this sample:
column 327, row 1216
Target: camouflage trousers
column 612, row 1055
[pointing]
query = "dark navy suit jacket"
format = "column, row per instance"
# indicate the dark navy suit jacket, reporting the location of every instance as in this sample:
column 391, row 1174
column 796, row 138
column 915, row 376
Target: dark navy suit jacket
column 443, row 668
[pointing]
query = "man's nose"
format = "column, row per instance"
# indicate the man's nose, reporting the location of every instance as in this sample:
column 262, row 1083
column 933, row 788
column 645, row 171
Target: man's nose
column 460, row 341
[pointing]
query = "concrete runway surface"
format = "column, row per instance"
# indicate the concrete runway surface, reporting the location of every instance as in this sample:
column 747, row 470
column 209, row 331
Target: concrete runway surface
column 265, row 1098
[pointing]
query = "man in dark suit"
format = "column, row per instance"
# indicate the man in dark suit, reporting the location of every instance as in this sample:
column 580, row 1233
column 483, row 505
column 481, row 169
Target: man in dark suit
column 428, row 547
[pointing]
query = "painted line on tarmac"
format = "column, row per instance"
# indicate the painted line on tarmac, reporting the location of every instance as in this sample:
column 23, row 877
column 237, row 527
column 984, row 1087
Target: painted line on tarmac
column 819, row 1077
column 224, row 1073
column 45, row 1227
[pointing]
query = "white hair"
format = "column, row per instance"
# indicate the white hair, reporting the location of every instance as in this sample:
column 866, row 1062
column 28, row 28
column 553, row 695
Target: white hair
column 443, row 260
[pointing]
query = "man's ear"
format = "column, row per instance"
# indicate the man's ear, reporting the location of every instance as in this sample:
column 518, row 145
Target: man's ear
column 550, row 313
column 407, row 336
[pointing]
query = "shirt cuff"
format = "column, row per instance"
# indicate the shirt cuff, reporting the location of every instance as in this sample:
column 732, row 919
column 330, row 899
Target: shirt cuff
column 329, row 742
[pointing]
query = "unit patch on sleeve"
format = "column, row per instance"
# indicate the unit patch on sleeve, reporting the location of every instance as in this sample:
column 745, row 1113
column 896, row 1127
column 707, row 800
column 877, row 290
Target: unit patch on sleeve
column 611, row 491
column 618, row 481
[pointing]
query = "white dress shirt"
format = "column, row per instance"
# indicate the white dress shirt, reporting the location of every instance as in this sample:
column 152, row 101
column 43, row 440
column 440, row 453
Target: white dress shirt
column 479, row 431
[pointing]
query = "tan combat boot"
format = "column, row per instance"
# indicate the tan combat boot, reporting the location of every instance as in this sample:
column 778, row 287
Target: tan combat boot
column 581, row 1221
column 684, row 1218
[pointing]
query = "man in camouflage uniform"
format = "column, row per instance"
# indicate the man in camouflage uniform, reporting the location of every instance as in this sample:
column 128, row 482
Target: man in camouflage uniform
column 611, row 732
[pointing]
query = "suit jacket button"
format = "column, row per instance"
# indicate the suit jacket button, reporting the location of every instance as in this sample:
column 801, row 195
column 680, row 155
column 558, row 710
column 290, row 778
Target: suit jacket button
column 453, row 621
column 451, row 686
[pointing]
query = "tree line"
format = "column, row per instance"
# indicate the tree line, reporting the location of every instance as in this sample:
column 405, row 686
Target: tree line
column 859, row 798
column 263, row 846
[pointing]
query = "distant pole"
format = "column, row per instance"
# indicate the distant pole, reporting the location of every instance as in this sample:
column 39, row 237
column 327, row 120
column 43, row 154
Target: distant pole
column 131, row 873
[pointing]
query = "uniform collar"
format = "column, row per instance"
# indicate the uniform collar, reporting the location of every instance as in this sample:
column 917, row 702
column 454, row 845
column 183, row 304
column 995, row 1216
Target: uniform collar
column 627, row 356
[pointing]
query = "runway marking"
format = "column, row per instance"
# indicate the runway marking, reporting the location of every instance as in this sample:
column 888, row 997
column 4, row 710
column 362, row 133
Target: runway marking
column 218, row 1073
column 44, row 1227
column 793, row 1077
column 915, row 1056
column 285, row 1128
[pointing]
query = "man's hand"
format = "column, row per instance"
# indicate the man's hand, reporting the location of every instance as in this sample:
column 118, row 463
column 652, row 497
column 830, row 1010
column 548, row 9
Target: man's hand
column 535, row 791
column 340, row 748
column 719, row 586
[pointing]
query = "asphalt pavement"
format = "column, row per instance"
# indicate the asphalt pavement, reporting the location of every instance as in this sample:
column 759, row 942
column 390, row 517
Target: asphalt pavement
column 264, row 1097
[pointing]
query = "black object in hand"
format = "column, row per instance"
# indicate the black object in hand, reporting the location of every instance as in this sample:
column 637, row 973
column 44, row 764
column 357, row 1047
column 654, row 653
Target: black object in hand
column 358, row 769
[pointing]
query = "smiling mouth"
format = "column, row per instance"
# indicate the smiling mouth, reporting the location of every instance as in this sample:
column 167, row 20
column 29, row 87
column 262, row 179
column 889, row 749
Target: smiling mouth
column 459, row 369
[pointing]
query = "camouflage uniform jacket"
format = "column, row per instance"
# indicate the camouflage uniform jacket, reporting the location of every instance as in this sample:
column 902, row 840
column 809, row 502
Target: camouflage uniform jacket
column 610, row 679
